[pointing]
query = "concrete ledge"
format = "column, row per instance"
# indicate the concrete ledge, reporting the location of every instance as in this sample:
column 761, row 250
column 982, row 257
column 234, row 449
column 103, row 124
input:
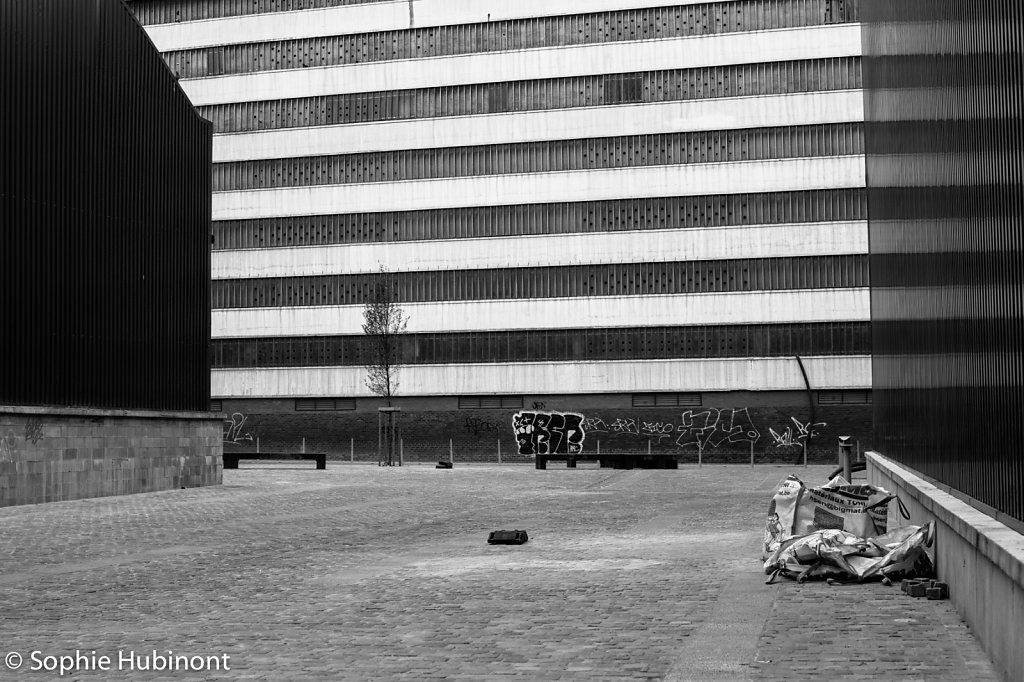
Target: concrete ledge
column 99, row 412
column 981, row 559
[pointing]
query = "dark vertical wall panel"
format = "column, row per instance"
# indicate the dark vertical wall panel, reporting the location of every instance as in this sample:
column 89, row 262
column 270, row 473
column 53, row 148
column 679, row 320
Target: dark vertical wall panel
column 104, row 236
column 945, row 159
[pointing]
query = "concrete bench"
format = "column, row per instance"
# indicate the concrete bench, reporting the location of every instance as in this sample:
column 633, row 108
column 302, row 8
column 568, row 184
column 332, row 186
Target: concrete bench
column 231, row 458
column 613, row 460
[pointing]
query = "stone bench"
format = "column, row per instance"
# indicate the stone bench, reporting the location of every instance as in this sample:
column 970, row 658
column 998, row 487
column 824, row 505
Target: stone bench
column 231, row 458
column 613, row 460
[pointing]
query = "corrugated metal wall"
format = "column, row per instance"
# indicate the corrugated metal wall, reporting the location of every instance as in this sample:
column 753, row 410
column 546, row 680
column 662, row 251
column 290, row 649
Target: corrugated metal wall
column 630, row 279
column 556, row 218
column 785, row 142
column 558, row 345
column 944, row 98
column 515, row 34
column 104, row 236
column 162, row 12
column 812, row 75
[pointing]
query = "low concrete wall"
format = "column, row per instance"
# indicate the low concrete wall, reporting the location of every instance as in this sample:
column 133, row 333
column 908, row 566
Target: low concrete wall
column 51, row 454
column 981, row 559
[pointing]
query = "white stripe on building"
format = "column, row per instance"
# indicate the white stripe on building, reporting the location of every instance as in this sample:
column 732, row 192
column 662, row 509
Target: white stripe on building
column 697, row 375
column 733, row 113
column 815, row 42
column 367, row 18
column 550, row 250
column 775, row 175
column 650, row 310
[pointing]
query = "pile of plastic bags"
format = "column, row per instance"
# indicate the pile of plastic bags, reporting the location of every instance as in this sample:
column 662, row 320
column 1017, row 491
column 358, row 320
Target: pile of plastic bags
column 839, row 531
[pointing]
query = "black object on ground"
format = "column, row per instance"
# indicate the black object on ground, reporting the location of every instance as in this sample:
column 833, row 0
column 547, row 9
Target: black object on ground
column 231, row 458
column 443, row 465
column 507, row 537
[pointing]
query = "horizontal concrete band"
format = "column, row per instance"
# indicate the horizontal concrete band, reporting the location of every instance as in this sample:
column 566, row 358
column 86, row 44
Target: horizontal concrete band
column 996, row 541
column 777, row 175
column 815, row 42
column 92, row 412
column 380, row 16
column 715, row 243
column 748, row 307
column 732, row 113
column 733, row 374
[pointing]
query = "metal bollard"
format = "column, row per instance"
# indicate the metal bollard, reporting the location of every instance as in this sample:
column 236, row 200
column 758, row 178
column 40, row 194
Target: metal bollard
column 845, row 446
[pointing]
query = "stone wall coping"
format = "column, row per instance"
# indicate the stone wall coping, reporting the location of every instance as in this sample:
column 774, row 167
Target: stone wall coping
column 92, row 412
column 996, row 541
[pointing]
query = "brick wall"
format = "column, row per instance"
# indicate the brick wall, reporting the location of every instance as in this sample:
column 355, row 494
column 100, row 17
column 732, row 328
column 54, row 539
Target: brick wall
column 51, row 454
column 719, row 434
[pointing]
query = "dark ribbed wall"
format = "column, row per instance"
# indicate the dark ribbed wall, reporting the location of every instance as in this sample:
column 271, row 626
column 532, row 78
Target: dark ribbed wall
column 558, row 345
column 558, row 218
column 944, row 99
column 628, row 279
column 105, row 215
column 594, row 153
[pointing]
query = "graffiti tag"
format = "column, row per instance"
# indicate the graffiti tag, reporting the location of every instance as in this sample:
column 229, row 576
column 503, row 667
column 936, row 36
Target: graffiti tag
column 476, row 425
column 657, row 430
column 34, row 430
column 235, row 431
column 548, row 433
column 713, row 427
column 795, row 437
column 8, row 446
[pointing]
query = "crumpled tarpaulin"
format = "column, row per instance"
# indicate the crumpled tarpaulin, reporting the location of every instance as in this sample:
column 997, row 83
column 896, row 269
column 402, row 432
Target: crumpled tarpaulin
column 899, row 553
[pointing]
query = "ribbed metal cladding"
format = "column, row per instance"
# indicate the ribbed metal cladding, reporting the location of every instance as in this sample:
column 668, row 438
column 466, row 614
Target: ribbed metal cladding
column 104, row 236
column 945, row 159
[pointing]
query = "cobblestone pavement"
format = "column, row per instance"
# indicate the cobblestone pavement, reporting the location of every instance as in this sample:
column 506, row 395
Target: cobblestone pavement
column 367, row 573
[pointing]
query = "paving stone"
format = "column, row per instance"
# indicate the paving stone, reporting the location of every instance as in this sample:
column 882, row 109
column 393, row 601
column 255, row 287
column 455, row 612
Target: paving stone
column 367, row 573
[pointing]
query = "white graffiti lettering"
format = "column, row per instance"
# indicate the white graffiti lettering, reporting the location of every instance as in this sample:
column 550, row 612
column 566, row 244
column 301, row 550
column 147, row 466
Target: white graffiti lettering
column 235, row 431
column 795, row 437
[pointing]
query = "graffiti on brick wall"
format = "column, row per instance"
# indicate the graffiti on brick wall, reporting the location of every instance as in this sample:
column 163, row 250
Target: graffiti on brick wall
column 477, row 426
column 236, row 430
column 713, row 428
column 703, row 429
column 8, row 446
column 548, row 433
column 34, row 430
column 796, row 435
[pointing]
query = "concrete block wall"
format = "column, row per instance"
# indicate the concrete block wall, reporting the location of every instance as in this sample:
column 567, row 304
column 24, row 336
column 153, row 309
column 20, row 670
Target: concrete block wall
column 51, row 454
column 981, row 558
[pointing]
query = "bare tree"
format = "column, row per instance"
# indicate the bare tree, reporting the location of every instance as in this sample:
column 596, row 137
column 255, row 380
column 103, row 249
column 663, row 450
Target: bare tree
column 384, row 321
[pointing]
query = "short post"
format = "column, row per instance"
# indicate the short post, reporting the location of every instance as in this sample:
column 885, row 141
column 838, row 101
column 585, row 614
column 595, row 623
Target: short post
column 257, row 445
column 351, row 449
column 451, row 452
column 700, row 457
column 598, row 448
column 844, row 457
column 401, row 451
column 858, row 449
column 499, row 451
column 303, row 445
column 805, row 454
column 751, row 454
column 648, row 447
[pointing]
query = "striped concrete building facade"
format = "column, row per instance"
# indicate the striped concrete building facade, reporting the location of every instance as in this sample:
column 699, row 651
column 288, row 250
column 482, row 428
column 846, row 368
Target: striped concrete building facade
column 650, row 216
